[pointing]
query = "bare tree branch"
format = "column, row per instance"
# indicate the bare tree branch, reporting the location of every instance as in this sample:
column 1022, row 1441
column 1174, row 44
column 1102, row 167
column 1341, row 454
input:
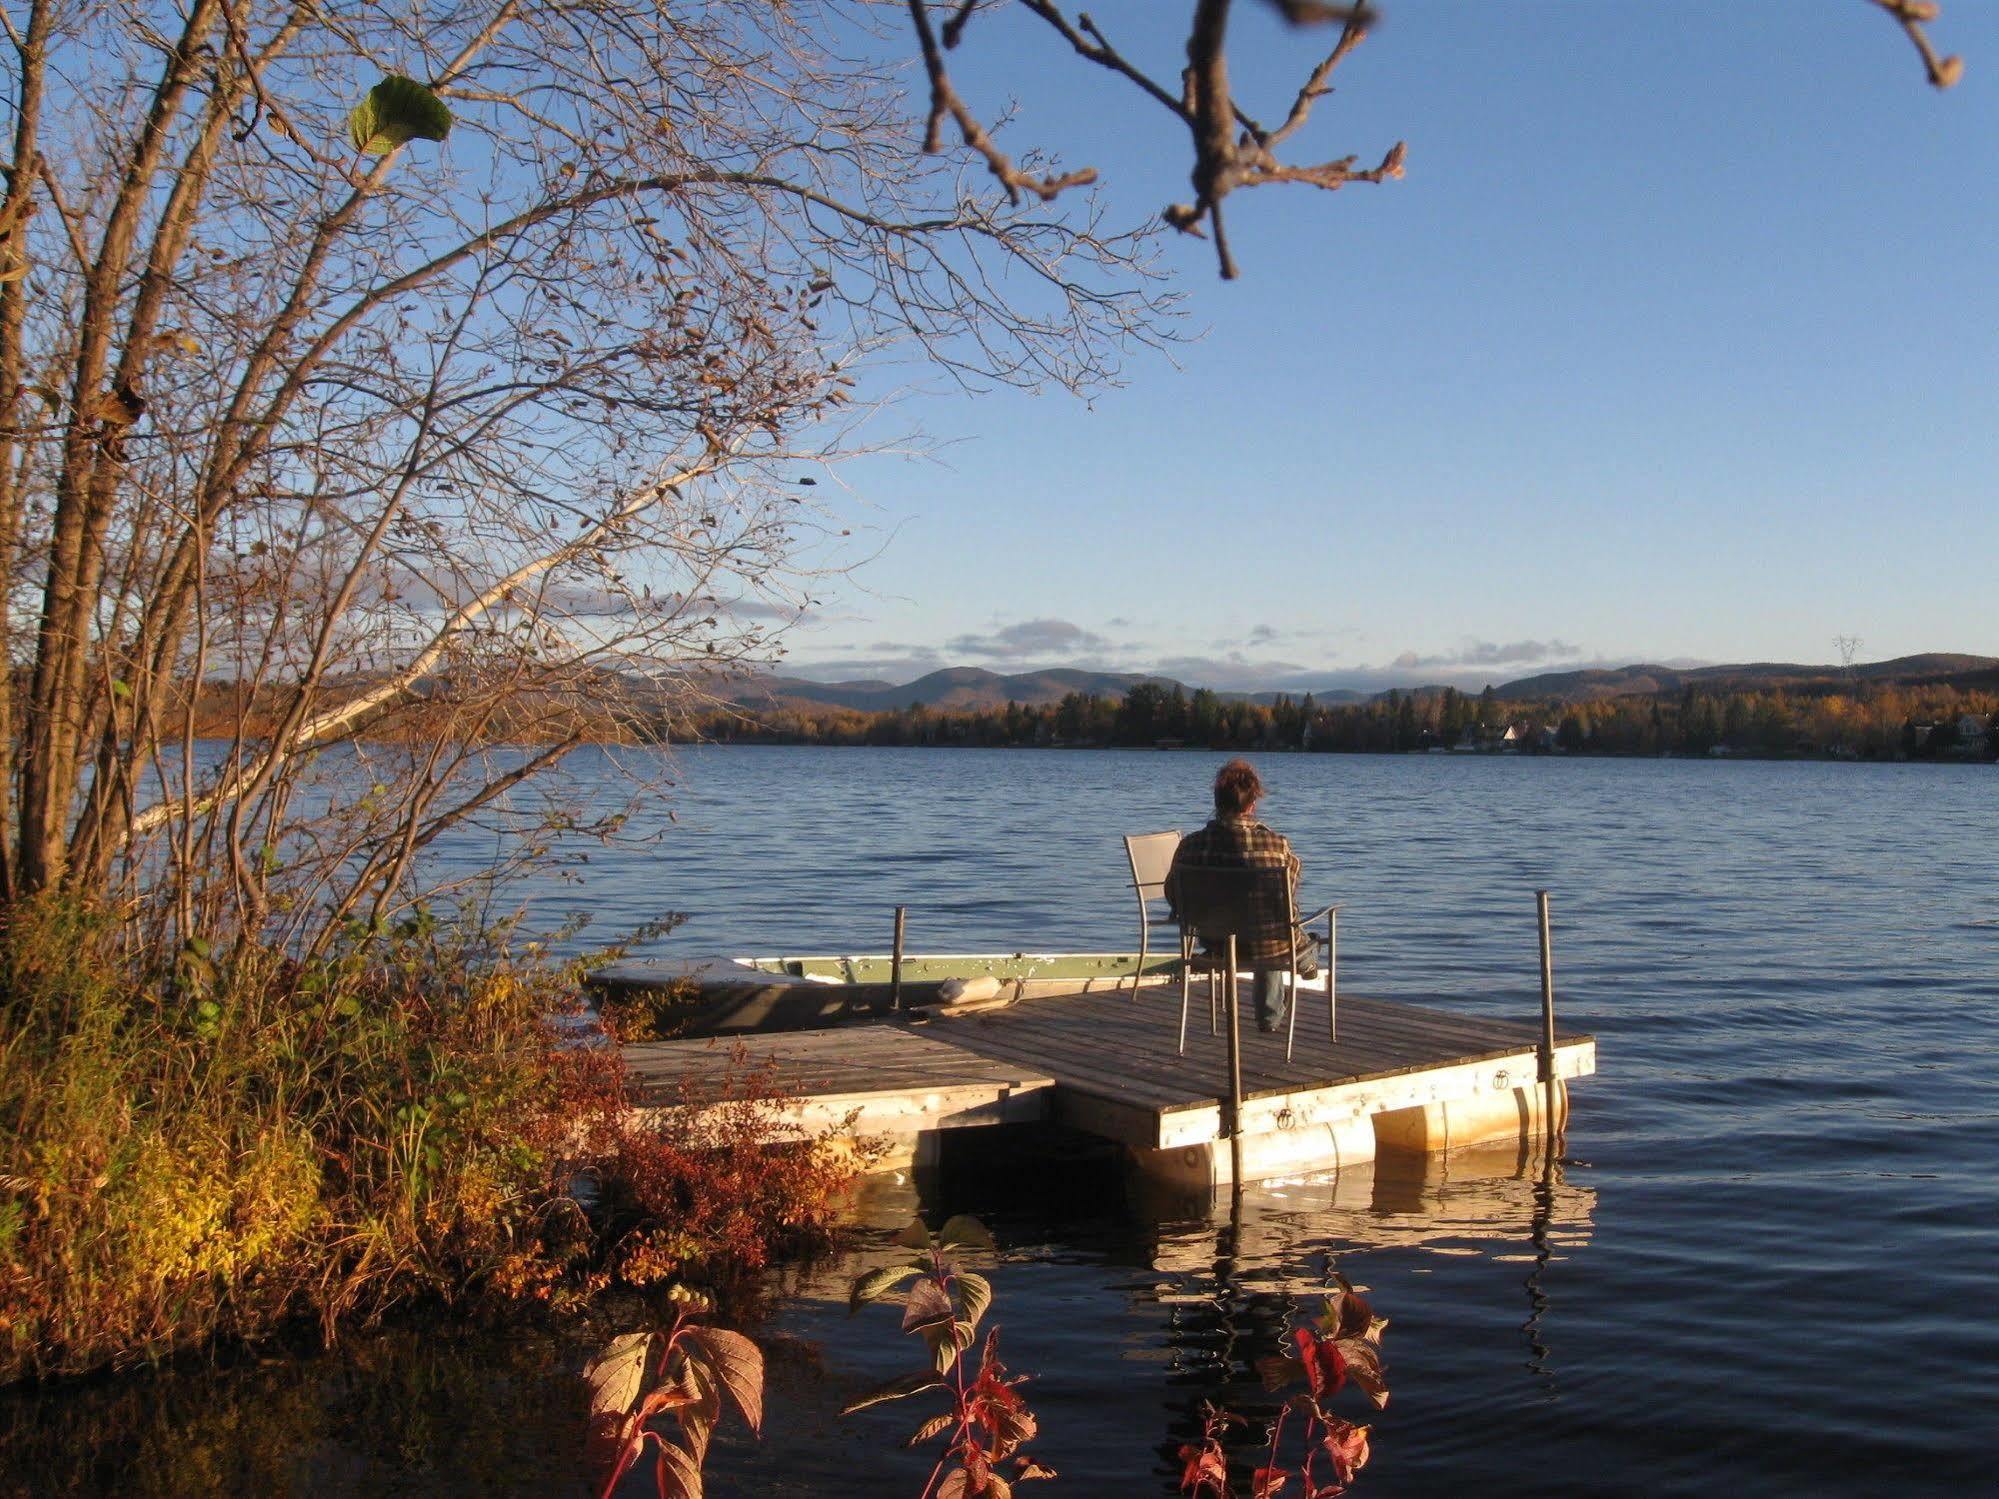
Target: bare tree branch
column 1913, row 16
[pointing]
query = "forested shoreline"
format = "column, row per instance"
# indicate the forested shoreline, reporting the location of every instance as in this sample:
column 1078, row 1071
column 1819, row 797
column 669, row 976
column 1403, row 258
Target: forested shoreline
column 1875, row 722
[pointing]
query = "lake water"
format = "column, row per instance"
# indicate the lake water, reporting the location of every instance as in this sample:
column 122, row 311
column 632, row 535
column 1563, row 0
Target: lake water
column 1766, row 1262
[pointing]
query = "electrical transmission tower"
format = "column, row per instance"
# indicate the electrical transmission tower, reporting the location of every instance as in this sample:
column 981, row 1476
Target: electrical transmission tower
column 1849, row 649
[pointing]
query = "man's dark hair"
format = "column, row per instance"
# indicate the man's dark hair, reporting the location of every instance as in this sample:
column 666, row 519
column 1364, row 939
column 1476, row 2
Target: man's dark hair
column 1237, row 787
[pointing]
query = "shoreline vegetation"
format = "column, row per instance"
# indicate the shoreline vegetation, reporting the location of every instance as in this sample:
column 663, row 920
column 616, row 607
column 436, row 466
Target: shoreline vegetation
column 1869, row 722
column 206, row 1148
column 1863, row 721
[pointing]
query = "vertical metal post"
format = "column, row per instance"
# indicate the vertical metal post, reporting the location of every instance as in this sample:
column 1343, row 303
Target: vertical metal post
column 1332, row 973
column 895, row 962
column 1235, row 1073
column 1549, row 1085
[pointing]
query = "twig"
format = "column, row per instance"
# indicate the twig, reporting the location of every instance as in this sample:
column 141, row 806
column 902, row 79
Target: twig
column 1231, row 149
column 944, row 99
column 1913, row 15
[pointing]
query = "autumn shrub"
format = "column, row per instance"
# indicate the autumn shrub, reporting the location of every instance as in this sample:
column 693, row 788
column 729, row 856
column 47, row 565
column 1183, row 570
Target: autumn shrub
column 712, row 1179
column 229, row 1144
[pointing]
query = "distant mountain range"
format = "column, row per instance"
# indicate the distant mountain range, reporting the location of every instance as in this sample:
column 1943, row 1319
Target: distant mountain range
column 955, row 688
column 971, row 688
column 1937, row 667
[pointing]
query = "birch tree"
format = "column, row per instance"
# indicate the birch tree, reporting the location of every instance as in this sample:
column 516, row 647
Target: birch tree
column 385, row 378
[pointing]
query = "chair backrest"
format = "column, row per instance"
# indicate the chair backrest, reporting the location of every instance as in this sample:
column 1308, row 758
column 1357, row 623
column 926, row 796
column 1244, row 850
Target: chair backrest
column 1151, row 855
column 1216, row 900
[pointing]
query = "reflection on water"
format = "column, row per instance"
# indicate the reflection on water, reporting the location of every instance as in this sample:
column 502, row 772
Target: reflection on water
column 410, row 1411
column 1130, row 1307
column 1793, row 973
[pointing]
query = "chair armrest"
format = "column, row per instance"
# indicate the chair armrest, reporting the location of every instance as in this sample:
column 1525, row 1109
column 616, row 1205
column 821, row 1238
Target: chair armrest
column 1319, row 915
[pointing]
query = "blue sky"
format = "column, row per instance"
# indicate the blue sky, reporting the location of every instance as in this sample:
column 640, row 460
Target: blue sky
column 1677, row 343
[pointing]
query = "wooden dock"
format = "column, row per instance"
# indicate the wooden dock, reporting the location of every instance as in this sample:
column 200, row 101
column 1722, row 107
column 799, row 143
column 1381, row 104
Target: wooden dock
column 859, row 1080
column 1401, row 1078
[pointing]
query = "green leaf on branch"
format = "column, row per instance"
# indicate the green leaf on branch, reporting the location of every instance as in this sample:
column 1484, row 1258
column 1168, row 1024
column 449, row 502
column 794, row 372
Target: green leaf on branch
column 975, row 1293
column 878, row 1283
column 901, row 1386
column 397, row 111
column 935, row 1426
column 913, row 1236
column 966, row 1232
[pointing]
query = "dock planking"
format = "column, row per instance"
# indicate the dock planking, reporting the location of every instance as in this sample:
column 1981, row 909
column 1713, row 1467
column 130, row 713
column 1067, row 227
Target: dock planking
column 851, row 1079
column 1108, row 1063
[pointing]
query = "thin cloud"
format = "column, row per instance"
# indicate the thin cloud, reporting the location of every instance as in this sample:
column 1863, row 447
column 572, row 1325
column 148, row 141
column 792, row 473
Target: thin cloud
column 1492, row 653
column 1236, row 671
column 1033, row 637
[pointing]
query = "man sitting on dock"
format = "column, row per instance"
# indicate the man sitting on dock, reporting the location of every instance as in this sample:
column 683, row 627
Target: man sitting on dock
column 1236, row 840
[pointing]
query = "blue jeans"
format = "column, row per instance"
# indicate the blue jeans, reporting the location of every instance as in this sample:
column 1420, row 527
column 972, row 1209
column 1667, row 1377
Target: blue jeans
column 1270, row 986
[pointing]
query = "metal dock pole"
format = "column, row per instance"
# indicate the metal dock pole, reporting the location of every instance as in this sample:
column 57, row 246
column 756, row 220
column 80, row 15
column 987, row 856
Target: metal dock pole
column 1235, row 1074
column 895, row 962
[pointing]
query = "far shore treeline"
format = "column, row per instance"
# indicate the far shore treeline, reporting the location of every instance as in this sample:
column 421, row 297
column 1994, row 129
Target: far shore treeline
column 1861, row 721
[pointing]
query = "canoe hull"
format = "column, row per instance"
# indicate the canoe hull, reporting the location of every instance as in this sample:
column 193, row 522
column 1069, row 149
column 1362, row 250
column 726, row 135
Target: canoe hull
column 746, row 996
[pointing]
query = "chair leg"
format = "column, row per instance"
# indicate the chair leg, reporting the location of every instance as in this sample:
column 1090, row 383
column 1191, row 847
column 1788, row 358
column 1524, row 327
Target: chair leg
column 1186, row 987
column 1144, row 935
column 1332, row 971
column 1291, row 1023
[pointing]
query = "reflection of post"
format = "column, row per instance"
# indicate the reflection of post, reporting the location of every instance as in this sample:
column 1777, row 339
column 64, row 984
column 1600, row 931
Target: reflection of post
column 1537, row 1299
column 1547, row 1058
column 1228, row 1265
column 1544, row 1189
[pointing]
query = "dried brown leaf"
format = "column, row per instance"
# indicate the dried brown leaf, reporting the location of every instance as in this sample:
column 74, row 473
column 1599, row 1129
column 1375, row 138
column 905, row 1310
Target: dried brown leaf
column 739, row 1365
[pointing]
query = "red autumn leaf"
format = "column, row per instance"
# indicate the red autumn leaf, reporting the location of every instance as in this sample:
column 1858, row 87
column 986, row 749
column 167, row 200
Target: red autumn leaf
column 1346, row 1315
column 1362, row 1362
column 928, row 1305
column 1325, row 1369
column 739, row 1365
column 699, row 1419
column 1204, row 1466
column 1267, row 1483
column 1346, row 1445
column 676, row 1474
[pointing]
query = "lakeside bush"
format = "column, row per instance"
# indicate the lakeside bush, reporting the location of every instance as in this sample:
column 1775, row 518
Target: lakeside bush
column 229, row 1145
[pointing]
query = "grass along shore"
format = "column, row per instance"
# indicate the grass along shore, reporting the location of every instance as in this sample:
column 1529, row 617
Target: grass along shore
column 235, row 1146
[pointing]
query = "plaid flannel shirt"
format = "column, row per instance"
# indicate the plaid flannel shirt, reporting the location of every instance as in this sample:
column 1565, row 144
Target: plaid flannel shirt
column 1239, row 842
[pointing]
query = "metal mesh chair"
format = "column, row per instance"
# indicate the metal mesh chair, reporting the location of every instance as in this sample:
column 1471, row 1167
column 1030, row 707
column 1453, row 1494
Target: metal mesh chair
column 1217, row 904
column 1151, row 856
